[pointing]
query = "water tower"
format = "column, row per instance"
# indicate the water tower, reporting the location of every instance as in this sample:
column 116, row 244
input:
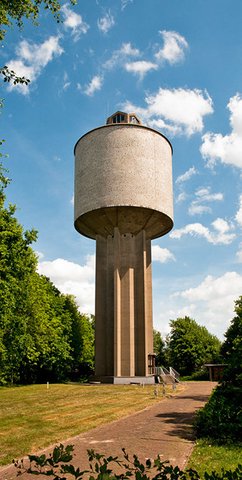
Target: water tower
column 123, row 200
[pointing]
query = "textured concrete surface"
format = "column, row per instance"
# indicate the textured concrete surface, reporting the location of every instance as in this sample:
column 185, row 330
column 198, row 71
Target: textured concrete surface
column 123, row 326
column 119, row 166
column 164, row 429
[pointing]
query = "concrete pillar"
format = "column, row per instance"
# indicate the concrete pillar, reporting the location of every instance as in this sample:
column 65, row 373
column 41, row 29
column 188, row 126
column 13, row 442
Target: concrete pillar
column 124, row 333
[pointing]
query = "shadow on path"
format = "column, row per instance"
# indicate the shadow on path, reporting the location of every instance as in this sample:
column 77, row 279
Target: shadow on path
column 183, row 424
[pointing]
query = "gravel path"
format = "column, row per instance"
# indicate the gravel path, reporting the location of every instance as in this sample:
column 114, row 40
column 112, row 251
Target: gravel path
column 164, row 429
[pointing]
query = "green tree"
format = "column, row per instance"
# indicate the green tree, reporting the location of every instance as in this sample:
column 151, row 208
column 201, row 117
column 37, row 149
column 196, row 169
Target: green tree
column 231, row 349
column 43, row 336
column 159, row 348
column 190, row 346
column 17, row 263
column 221, row 418
column 82, row 340
column 47, row 354
column 17, row 11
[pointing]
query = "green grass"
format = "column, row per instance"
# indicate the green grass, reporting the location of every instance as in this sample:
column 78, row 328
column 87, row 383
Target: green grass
column 34, row 417
column 208, row 456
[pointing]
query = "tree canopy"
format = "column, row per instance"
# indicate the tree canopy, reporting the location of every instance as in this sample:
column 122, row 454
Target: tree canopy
column 43, row 336
column 159, row 348
column 190, row 346
column 231, row 349
column 17, row 11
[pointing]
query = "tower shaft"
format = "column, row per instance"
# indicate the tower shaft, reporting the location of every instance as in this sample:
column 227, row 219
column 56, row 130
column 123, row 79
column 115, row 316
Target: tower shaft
column 124, row 334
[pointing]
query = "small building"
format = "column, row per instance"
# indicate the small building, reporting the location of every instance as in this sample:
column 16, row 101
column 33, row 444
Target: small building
column 123, row 117
column 215, row 371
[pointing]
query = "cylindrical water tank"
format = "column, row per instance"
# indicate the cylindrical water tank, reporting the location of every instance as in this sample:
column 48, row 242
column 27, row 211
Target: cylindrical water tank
column 123, row 178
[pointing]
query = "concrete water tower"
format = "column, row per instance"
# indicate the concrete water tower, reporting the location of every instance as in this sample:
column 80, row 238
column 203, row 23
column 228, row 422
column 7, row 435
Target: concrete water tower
column 123, row 200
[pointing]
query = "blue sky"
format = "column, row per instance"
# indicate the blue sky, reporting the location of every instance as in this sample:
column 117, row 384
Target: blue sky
column 179, row 66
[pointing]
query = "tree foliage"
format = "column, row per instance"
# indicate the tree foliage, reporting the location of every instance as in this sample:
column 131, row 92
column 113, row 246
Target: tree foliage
column 43, row 336
column 17, row 11
column 231, row 349
column 221, row 418
column 190, row 346
column 159, row 348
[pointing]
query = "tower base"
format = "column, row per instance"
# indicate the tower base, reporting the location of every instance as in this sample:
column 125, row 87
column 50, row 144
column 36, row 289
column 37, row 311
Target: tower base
column 148, row 380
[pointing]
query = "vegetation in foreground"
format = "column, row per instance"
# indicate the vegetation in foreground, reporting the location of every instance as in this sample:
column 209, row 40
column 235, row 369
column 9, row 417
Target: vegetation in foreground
column 33, row 417
column 57, row 466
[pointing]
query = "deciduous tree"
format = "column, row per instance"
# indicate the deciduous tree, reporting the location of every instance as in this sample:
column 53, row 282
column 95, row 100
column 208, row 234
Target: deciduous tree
column 159, row 348
column 17, row 11
column 43, row 336
column 191, row 345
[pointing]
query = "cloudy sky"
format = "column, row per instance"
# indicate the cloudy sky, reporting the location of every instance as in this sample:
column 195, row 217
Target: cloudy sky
column 178, row 65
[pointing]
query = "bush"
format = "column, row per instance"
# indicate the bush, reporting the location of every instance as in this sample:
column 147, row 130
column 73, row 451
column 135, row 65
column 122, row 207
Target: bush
column 57, row 466
column 197, row 376
column 221, row 418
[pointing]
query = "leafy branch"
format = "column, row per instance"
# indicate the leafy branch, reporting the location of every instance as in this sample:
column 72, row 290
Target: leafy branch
column 10, row 76
column 57, row 466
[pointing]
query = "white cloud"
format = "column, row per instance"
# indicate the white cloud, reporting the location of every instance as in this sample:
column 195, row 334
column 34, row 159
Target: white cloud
column 161, row 255
column 226, row 148
column 124, row 3
column 238, row 216
column 32, row 59
column 215, row 297
column 119, row 57
column 74, row 22
column 196, row 209
column 239, row 254
column 66, row 81
column 181, row 197
column 187, row 175
column 140, row 67
column 40, row 255
column 71, row 278
column 210, row 303
column 94, row 85
column 219, row 235
column 203, row 195
column 127, row 49
column 178, row 110
column 174, row 47
column 106, row 22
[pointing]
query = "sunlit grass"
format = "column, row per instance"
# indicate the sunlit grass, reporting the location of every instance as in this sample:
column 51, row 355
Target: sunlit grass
column 34, row 417
column 208, row 456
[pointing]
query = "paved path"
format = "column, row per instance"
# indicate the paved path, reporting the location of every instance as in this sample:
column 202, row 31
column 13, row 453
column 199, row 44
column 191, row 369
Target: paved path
column 164, row 429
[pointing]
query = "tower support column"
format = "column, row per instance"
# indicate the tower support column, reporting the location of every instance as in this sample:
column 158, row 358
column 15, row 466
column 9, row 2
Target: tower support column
column 124, row 332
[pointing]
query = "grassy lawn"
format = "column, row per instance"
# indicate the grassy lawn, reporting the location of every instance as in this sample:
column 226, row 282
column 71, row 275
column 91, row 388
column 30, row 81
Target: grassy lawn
column 207, row 456
column 34, row 417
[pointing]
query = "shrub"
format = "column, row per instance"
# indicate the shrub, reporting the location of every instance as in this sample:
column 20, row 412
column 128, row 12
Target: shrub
column 201, row 374
column 221, row 418
column 57, row 466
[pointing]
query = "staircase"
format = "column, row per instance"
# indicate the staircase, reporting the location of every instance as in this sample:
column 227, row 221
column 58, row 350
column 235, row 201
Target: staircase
column 168, row 377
